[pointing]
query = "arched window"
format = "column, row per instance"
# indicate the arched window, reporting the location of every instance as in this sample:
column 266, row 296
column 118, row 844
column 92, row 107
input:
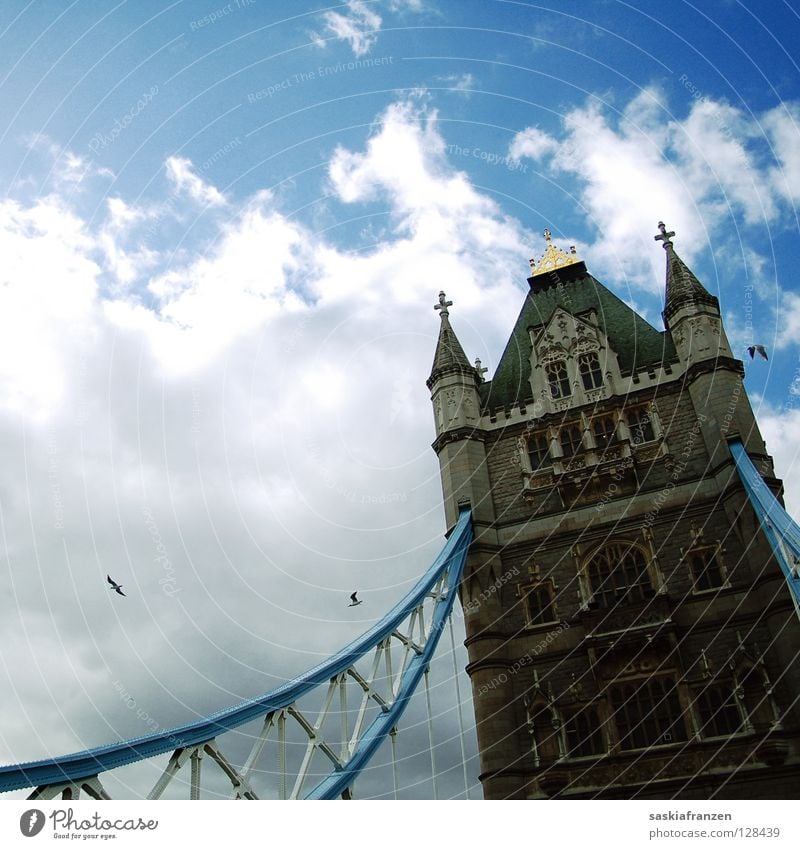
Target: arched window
column 719, row 714
column 618, row 574
column 706, row 569
column 584, row 735
column 571, row 439
column 539, row 604
column 589, row 367
column 539, row 450
column 605, row 431
column 647, row 713
column 640, row 426
column 558, row 379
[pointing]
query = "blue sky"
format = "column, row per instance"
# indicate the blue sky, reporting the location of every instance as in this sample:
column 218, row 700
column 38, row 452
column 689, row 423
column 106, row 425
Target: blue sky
column 224, row 227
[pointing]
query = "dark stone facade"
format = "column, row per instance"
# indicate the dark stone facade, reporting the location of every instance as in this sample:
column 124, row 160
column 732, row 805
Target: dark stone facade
column 629, row 633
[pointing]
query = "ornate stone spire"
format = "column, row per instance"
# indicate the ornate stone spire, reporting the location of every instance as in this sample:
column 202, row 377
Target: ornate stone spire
column 683, row 288
column 450, row 357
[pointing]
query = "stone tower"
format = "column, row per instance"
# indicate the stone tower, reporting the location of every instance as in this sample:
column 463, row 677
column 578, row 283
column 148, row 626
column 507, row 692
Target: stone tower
column 629, row 633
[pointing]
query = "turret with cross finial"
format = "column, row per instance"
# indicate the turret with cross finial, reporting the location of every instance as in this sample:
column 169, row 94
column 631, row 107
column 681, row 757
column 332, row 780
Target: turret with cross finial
column 455, row 384
column 693, row 319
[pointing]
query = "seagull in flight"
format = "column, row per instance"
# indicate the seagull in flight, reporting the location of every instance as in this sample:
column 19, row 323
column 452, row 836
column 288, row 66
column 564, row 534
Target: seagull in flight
column 115, row 586
column 354, row 601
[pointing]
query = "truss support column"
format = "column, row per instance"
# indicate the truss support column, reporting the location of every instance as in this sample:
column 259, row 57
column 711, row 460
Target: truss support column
column 345, row 750
column 282, row 754
column 460, row 713
column 393, row 736
column 430, row 733
column 196, row 762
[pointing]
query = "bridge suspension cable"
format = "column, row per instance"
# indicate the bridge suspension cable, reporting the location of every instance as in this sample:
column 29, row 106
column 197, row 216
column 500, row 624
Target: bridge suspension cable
column 318, row 741
column 781, row 530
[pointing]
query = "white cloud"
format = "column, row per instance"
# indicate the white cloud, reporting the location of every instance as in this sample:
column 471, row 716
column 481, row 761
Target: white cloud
column 788, row 320
column 182, row 175
column 48, row 284
column 779, row 429
column 694, row 173
column 713, row 158
column 263, row 399
column 782, row 125
column 459, row 82
column 66, row 171
column 128, row 263
column 359, row 27
column 532, row 143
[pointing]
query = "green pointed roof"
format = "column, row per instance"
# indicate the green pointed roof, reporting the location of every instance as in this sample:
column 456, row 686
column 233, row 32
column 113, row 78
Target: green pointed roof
column 636, row 343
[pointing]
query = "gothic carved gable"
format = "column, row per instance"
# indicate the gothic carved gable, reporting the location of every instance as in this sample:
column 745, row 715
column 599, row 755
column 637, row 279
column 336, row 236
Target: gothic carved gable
column 572, row 362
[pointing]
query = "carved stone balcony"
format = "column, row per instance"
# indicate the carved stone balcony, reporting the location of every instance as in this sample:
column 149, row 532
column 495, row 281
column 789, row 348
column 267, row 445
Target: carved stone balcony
column 646, row 452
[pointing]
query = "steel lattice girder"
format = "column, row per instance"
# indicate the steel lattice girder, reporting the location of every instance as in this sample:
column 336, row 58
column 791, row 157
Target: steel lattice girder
column 445, row 571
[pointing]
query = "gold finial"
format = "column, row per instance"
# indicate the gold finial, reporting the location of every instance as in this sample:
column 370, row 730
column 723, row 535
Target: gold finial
column 664, row 236
column 553, row 257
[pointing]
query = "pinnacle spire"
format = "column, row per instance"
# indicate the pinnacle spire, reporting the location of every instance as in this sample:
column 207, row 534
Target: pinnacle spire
column 682, row 286
column 450, row 356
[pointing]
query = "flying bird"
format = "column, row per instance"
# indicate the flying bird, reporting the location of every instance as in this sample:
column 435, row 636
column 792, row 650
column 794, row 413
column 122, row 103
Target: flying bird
column 115, row 586
column 354, row 601
column 761, row 350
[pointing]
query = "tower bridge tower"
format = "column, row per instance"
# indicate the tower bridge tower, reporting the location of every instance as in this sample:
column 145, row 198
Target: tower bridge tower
column 629, row 631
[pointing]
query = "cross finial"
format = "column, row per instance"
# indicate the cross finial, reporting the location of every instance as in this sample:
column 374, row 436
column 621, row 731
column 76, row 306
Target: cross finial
column 443, row 304
column 481, row 371
column 664, row 236
column 547, row 236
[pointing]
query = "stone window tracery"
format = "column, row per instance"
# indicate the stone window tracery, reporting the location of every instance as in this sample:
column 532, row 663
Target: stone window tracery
column 647, row 713
column 584, row 734
column 591, row 374
column 604, row 430
column 707, row 573
column 540, row 603
column 717, row 710
column 640, row 425
column 618, row 574
column 571, row 438
column 558, row 379
column 539, row 450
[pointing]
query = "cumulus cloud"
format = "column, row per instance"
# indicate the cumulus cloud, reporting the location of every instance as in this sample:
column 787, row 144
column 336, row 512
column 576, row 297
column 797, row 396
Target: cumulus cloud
column 182, row 175
column 359, row 27
column 779, row 427
column 782, row 125
column 788, row 320
column 695, row 173
column 253, row 406
column 532, row 143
